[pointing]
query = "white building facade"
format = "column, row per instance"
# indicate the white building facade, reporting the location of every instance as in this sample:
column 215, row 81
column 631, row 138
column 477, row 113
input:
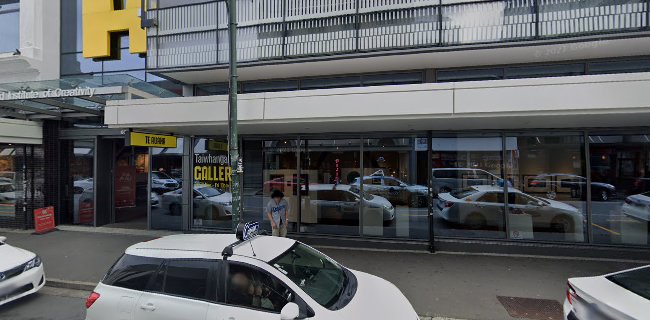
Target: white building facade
column 429, row 121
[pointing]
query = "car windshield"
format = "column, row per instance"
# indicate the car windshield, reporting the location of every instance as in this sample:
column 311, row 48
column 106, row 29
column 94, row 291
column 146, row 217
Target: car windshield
column 637, row 281
column 366, row 195
column 160, row 175
column 320, row 277
column 209, row 192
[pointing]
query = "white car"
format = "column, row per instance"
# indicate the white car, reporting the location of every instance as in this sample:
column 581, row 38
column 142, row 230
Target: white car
column 162, row 182
column 21, row 272
column 7, row 193
column 217, row 276
column 480, row 206
column 637, row 206
column 621, row 295
column 209, row 203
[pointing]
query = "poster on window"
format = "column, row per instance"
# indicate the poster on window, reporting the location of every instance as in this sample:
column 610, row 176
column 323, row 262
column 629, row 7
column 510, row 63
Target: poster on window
column 125, row 186
column 211, row 166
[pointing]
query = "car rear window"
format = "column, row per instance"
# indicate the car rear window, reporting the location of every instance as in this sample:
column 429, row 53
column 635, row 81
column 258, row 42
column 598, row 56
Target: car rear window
column 463, row 193
column 637, row 281
column 132, row 272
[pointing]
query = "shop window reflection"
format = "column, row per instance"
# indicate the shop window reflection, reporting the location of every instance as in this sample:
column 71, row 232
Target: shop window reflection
column 8, row 184
column 620, row 163
column 331, row 203
column 280, row 172
column 394, row 183
column 82, row 175
column 211, row 196
column 548, row 193
column 166, row 187
column 468, row 186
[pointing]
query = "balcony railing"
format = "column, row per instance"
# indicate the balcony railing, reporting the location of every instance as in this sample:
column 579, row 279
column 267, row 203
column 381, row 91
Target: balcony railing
column 197, row 34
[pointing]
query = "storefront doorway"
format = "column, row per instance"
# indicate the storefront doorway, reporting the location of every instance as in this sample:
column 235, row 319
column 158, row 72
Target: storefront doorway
column 130, row 184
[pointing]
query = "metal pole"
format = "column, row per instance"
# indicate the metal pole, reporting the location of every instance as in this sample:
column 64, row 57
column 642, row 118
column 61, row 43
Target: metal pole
column 233, row 138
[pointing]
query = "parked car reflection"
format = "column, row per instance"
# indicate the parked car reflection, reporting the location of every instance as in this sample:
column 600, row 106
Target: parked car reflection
column 557, row 184
column 637, row 206
column 209, row 203
column 341, row 203
column 162, row 182
column 480, row 207
column 283, row 184
column 448, row 179
column 7, row 193
column 83, row 197
column 395, row 190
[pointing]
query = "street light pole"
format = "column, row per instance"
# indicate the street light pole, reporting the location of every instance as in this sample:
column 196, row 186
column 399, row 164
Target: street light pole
column 233, row 140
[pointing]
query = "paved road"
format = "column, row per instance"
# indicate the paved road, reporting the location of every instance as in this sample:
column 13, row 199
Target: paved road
column 47, row 304
column 453, row 285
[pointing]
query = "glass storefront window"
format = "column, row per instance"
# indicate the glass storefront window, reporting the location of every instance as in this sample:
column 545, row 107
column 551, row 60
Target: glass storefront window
column 9, row 25
column 331, row 201
column 547, row 187
column 467, row 182
column 395, row 188
column 620, row 181
column 8, row 183
column 81, row 174
column 280, row 172
column 166, row 183
column 211, row 198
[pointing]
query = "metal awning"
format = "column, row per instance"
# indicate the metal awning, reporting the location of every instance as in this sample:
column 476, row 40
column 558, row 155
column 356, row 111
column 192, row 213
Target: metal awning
column 78, row 97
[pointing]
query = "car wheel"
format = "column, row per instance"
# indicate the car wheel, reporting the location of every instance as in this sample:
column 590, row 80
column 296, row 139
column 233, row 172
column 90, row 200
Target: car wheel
column 475, row 221
column 562, row 224
column 444, row 190
column 551, row 195
column 175, row 209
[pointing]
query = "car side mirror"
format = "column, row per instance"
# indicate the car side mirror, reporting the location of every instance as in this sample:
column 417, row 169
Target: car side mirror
column 290, row 311
column 199, row 197
column 3, row 239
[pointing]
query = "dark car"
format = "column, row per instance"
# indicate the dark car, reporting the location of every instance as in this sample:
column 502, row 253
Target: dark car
column 561, row 185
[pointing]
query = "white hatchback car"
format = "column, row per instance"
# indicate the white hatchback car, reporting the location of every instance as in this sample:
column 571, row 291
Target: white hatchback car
column 213, row 276
column 21, row 273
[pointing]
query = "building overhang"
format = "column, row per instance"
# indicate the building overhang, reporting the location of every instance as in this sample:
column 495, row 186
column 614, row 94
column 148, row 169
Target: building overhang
column 71, row 98
column 620, row 100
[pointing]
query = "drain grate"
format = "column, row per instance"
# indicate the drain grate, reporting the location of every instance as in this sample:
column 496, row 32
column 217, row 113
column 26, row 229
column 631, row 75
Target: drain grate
column 535, row 309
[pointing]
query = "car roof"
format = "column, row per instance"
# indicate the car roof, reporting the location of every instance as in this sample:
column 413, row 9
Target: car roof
column 320, row 187
column 490, row 188
column 449, row 169
column 210, row 246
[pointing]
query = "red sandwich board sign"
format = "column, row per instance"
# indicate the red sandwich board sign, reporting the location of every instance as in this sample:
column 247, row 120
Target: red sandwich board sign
column 44, row 220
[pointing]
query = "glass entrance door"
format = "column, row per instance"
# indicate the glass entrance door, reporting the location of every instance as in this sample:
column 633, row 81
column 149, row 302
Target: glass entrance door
column 130, row 186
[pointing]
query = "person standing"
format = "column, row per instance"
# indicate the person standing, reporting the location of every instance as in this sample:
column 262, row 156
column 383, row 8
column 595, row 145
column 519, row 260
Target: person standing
column 278, row 210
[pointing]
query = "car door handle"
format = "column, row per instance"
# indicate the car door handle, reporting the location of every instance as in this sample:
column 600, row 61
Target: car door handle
column 148, row 307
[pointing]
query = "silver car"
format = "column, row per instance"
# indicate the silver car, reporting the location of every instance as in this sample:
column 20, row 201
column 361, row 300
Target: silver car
column 480, row 207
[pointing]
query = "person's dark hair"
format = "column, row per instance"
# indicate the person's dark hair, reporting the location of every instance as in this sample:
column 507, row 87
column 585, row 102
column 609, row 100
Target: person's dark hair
column 277, row 194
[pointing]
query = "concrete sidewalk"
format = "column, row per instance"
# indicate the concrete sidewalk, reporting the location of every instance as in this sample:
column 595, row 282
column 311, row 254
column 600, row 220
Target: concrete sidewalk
column 438, row 285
